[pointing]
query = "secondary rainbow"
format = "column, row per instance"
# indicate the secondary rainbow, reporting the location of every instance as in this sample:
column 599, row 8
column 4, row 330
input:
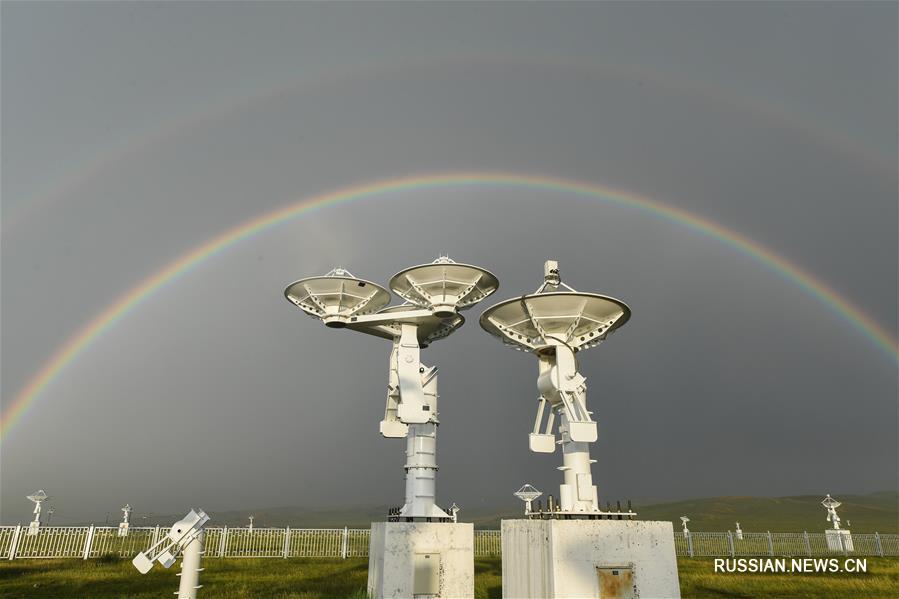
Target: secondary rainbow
column 85, row 337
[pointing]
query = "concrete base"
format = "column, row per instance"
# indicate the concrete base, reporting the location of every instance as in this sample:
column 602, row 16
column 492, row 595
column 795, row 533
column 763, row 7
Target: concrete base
column 421, row 559
column 839, row 540
column 588, row 558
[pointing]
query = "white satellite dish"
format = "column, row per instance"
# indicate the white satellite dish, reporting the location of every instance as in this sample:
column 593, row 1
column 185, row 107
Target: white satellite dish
column 444, row 287
column 434, row 294
column 555, row 324
column 38, row 498
column 831, row 505
column 336, row 297
column 527, row 493
column 540, row 320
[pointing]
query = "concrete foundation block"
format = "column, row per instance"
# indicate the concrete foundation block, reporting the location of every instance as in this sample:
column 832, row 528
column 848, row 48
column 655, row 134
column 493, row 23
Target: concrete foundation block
column 839, row 540
column 579, row 559
column 421, row 560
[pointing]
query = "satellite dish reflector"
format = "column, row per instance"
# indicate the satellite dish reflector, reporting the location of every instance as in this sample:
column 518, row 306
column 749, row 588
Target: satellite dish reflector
column 430, row 329
column 578, row 320
column 444, row 287
column 528, row 493
column 42, row 496
column 336, row 297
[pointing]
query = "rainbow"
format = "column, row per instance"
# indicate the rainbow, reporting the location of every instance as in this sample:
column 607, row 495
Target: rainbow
column 88, row 335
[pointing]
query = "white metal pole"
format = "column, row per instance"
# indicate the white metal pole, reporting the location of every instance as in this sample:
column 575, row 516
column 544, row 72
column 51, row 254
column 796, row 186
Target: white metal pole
column 190, row 568
column 421, row 470
column 15, row 542
column 223, row 548
column 575, row 468
column 87, row 542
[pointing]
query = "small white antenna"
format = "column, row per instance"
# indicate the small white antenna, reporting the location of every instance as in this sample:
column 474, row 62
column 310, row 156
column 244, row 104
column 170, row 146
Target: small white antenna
column 186, row 537
column 684, row 521
column 527, row 493
column 38, row 497
column 739, row 532
column 454, row 511
column 252, row 517
column 125, row 523
column 831, row 505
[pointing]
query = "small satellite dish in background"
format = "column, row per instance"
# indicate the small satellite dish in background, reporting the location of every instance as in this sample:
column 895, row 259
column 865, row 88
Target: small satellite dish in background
column 527, row 493
column 38, row 498
column 125, row 523
column 831, row 505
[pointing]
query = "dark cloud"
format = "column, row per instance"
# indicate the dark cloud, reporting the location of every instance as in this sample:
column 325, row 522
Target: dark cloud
column 130, row 136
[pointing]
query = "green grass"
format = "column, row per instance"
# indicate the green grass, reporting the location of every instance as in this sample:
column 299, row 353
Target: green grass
column 333, row 578
column 698, row 579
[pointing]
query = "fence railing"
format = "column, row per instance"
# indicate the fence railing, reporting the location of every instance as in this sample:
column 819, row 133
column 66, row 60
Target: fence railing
column 788, row 544
column 85, row 542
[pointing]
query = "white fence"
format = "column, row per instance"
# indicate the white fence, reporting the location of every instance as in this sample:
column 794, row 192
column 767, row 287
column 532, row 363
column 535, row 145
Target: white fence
column 87, row 542
column 724, row 544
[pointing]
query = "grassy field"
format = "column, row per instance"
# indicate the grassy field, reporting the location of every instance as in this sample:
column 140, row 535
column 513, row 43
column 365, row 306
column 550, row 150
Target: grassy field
column 327, row 578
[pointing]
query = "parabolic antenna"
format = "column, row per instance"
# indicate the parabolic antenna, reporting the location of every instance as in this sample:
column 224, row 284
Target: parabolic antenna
column 336, row 297
column 532, row 322
column 444, row 287
column 830, row 503
column 40, row 496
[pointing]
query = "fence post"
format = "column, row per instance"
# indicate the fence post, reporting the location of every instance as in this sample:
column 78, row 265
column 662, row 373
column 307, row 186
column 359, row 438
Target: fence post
column 808, row 546
column 879, row 544
column 770, row 545
column 15, row 542
column 224, row 542
column 343, row 545
column 689, row 543
column 286, row 542
column 730, row 541
column 87, row 542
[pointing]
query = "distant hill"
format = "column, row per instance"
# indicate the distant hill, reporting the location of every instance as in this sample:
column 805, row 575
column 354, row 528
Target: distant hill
column 867, row 513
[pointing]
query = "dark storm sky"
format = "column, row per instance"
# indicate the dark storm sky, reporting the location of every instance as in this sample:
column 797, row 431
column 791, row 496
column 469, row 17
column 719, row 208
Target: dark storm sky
column 133, row 132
